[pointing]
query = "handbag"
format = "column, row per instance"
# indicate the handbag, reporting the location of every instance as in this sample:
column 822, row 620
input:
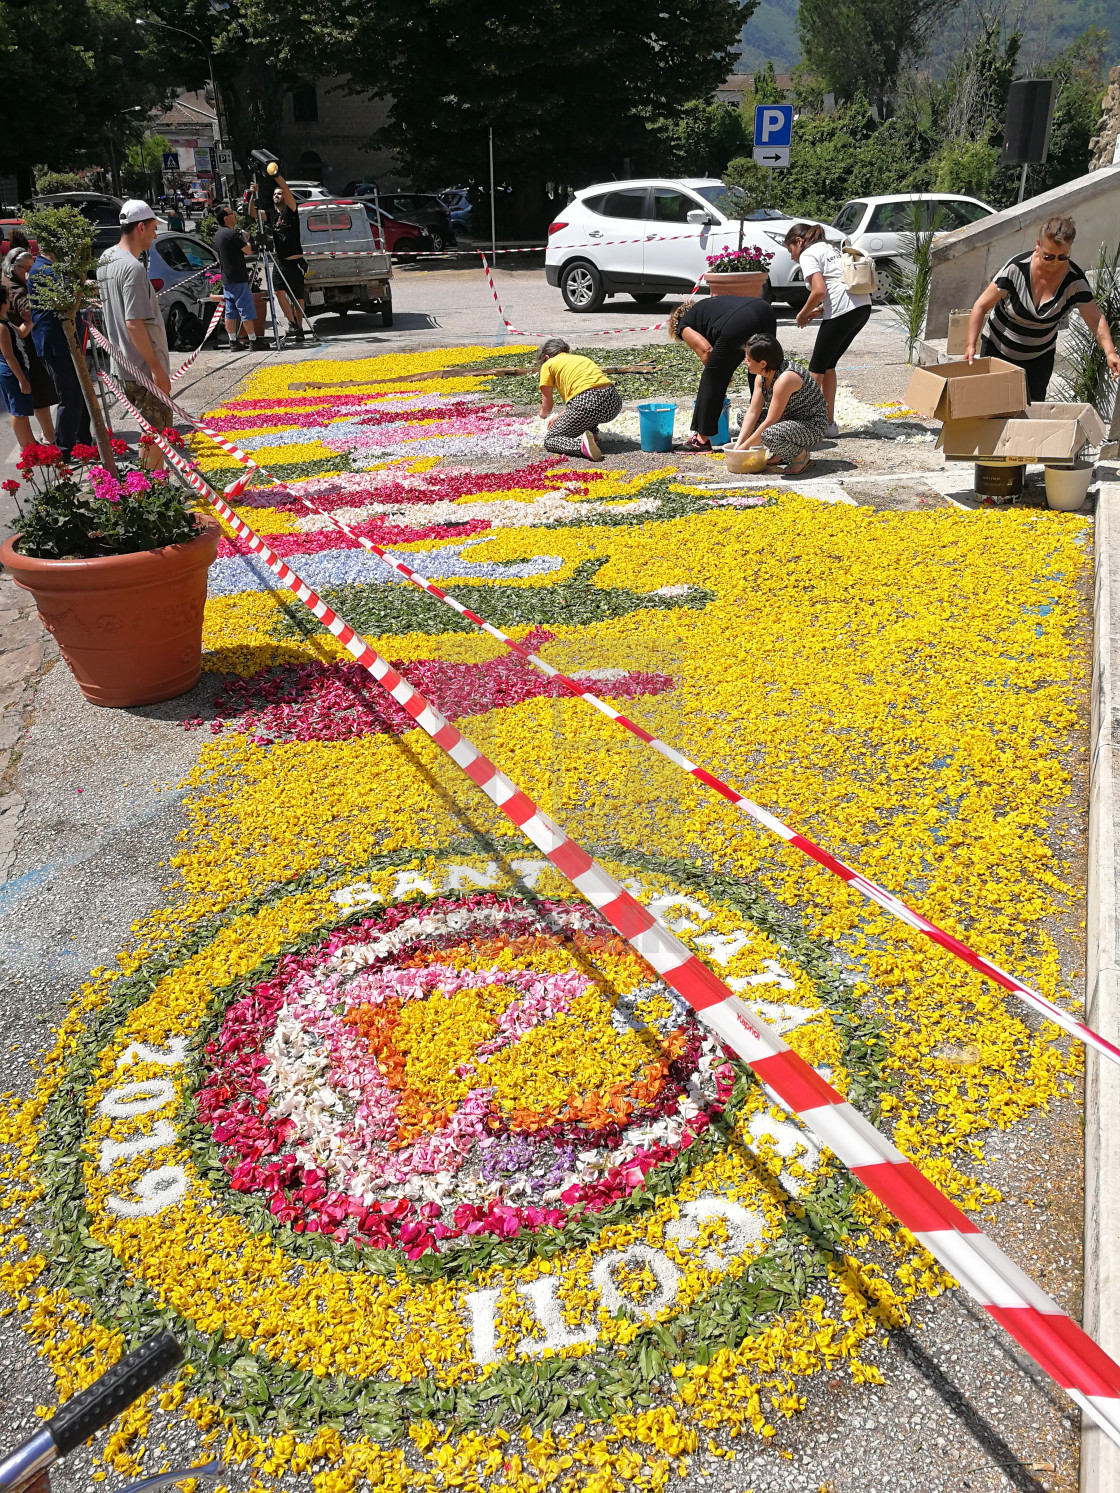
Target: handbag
column 858, row 270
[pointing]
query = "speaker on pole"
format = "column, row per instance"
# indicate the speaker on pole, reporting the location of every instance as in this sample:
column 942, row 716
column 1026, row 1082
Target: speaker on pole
column 1030, row 109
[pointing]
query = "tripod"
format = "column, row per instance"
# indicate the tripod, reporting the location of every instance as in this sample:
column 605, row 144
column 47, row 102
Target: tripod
column 273, row 273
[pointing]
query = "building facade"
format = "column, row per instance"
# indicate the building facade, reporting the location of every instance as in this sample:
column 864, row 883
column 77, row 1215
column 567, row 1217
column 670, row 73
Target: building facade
column 324, row 135
column 190, row 129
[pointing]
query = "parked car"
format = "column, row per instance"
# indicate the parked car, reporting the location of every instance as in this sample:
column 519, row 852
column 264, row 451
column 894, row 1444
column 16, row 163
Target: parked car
column 103, row 212
column 174, row 260
column 422, row 208
column 6, row 226
column 878, row 225
column 310, row 191
column 398, row 236
column 359, row 279
column 458, row 203
column 656, row 240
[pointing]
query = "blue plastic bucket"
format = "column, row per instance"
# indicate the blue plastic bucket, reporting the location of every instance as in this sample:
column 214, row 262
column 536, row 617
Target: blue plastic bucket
column 655, row 420
column 723, row 429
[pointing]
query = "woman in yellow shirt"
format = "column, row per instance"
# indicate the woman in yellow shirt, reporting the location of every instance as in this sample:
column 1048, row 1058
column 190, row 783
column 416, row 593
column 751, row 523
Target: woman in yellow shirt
column 590, row 400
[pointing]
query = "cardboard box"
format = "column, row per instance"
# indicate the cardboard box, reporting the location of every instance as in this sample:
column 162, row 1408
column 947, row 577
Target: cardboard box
column 1049, row 433
column 963, row 391
column 958, row 333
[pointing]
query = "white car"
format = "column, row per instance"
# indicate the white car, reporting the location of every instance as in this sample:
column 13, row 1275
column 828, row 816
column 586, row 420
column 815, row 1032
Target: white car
column 310, row 191
column 879, row 225
column 648, row 239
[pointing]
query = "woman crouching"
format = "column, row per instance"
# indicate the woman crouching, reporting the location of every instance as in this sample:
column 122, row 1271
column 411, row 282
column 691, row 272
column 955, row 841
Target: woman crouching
column 787, row 413
column 590, row 400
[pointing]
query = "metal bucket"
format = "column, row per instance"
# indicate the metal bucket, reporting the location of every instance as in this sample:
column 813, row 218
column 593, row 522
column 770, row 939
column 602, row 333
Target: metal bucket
column 1000, row 483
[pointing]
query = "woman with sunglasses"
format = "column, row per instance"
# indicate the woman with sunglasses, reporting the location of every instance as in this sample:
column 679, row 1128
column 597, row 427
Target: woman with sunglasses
column 1024, row 306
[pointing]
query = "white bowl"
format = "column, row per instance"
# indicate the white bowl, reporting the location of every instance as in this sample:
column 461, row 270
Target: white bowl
column 751, row 459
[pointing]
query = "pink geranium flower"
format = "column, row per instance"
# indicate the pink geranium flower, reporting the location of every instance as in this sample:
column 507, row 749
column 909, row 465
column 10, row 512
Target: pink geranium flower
column 105, row 485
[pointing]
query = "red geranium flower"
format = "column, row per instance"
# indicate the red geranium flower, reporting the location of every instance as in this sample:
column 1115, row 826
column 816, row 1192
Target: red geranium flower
column 84, row 453
column 118, row 447
column 171, row 435
column 10, row 486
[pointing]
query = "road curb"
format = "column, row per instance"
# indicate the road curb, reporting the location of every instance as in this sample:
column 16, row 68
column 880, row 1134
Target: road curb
column 1100, row 1458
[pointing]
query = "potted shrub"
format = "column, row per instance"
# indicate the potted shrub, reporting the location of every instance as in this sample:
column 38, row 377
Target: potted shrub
column 738, row 271
column 117, row 563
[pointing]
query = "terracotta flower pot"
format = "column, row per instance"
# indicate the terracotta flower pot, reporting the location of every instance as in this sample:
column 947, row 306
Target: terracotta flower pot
column 748, row 282
column 128, row 626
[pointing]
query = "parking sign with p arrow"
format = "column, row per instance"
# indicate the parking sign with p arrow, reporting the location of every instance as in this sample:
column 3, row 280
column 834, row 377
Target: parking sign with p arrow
column 773, row 131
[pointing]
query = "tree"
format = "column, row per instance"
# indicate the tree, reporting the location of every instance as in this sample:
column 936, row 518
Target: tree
column 1079, row 72
column 67, row 237
column 456, row 69
column 966, row 166
column 571, row 88
column 144, row 163
column 847, row 154
column 702, row 139
column 71, row 70
column 861, row 46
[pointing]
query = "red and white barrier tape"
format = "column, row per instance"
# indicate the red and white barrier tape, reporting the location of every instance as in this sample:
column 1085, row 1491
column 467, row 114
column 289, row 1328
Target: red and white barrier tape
column 1036, row 1322
column 598, row 243
column 863, row 884
column 614, row 331
column 182, row 368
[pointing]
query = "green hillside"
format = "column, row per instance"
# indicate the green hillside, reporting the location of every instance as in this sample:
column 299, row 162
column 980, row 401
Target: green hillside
column 771, row 33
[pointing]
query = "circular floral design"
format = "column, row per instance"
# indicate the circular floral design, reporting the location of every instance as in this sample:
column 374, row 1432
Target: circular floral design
column 458, row 1070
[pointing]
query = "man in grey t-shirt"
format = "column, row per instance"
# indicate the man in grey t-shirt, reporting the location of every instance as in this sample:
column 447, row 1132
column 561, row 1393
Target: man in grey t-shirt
column 133, row 321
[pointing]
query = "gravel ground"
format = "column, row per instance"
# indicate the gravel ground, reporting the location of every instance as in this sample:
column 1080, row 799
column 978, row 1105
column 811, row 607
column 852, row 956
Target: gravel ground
column 88, row 819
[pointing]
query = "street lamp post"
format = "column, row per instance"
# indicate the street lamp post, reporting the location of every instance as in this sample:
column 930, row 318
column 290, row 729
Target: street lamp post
column 114, row 171
column 140, row 21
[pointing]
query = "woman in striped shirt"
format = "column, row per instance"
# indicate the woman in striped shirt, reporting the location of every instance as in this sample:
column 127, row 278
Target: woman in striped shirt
column 1025, row 304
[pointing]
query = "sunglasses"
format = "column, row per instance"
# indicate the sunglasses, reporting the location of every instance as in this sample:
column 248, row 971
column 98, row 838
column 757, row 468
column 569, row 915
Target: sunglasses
column 1049, row 257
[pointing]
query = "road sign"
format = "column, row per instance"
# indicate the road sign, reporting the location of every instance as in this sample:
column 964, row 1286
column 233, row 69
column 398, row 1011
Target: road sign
column 773, row 125
column 202, row 158
column 224, row 160
column 776, row 157
column 171, row 160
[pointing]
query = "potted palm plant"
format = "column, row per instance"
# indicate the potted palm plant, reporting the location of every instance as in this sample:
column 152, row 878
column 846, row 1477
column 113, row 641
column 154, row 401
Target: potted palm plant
column 117, row 563
column 738, row 271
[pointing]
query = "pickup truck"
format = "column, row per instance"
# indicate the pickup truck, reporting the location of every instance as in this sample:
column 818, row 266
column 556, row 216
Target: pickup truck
column 346, row 269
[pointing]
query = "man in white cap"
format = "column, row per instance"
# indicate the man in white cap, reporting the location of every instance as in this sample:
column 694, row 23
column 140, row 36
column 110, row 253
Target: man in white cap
column 133, row 321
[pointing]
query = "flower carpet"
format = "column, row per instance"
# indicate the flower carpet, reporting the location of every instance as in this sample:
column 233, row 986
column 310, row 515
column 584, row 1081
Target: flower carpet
column 434, row 1178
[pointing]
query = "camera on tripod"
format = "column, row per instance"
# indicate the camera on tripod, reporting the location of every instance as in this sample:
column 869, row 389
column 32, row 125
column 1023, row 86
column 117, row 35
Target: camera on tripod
column 264, row 167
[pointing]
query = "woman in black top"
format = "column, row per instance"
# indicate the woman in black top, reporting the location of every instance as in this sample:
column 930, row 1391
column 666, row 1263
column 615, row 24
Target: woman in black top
column 1026, row 303
column 717, row 329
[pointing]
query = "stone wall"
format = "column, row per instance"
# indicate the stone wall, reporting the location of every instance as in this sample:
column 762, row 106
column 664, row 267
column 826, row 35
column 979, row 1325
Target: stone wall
column 1102, row 146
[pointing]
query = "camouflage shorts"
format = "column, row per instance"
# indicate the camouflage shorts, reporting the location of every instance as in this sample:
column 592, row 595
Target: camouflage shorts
column 154, row 410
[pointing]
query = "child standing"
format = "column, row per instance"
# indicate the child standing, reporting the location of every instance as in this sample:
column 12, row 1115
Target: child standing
column 15, row 376
column 590, row 399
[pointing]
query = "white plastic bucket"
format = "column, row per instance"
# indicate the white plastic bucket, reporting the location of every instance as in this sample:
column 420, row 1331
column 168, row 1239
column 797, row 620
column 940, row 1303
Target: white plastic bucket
column 1066, row 486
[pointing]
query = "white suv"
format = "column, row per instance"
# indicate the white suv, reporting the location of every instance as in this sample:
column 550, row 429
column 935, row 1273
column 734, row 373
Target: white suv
column 878, row 225
column 648, row 239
